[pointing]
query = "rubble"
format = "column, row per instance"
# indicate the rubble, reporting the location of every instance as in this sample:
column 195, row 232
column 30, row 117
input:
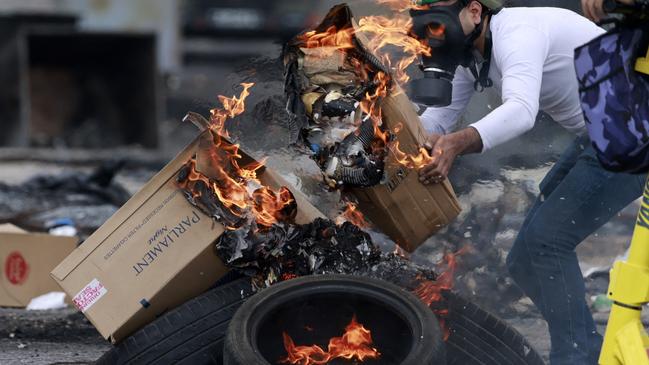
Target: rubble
column 286, row 251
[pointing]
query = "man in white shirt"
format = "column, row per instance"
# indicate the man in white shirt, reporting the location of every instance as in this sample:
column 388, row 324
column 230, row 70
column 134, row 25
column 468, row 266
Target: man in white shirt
column 532, row 66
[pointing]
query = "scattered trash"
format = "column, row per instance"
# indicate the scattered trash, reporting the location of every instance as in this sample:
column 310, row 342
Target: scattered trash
column 333, row 86
column 52, row 300
column 62, row 227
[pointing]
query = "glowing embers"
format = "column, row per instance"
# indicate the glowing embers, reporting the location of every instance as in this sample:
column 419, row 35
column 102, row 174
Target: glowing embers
column 352, row 215
column 355, row 344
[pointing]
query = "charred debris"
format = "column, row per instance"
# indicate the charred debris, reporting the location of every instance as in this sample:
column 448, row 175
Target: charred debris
column 332, row 101
column 284, row 249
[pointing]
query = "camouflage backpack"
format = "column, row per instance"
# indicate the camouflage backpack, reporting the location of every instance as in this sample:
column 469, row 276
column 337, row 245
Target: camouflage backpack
column 615, row 98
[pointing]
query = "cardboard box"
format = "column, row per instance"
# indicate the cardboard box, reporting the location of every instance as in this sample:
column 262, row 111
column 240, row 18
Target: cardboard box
column 27, row 259
column 403, row 208
column 155, row 253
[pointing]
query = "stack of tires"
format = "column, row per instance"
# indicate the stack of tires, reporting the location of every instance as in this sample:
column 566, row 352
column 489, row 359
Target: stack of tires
column 215, row 328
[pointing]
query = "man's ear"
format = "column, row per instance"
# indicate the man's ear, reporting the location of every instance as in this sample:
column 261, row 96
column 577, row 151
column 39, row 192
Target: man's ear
column 475, row 11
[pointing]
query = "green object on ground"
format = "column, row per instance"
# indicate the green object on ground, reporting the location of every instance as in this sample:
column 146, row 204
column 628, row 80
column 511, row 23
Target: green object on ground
column 602, row 303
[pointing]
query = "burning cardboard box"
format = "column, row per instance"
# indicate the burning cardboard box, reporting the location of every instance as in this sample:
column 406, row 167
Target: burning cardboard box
column 158, row 250
column 347, row 107
column 27, row 258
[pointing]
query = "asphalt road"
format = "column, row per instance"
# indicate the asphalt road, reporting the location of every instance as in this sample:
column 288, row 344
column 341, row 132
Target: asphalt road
column 48, row 337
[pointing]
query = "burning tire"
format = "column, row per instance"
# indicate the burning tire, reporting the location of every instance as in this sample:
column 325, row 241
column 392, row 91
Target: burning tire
column 190, row 334
column 393, row 325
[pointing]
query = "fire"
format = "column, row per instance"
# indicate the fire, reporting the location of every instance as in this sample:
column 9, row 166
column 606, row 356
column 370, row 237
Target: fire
column 354, row 344
column 390, row 41
column 271, row 207
column 385, row 32
column 431, row 291
column 217, row 167
column 353, row 215
column 329, row 41
column 402, row 5
column 232, row 107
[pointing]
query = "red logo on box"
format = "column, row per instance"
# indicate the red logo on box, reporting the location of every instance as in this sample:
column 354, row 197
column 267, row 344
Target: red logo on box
column 16, row 268
column 89, row 295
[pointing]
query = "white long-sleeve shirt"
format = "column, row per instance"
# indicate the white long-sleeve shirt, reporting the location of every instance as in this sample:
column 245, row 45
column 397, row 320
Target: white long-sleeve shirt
column 532, row 66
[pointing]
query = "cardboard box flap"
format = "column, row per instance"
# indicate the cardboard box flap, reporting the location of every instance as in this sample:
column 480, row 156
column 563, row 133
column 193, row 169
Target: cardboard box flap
column 10, row 228
column 75, row 257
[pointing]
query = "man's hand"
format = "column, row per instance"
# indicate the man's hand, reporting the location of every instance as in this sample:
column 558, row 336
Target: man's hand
column 594, row 9
column 444, row 149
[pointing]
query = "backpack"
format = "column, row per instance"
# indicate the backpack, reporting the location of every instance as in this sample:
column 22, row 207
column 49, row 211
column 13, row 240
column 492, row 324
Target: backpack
column 615, row 98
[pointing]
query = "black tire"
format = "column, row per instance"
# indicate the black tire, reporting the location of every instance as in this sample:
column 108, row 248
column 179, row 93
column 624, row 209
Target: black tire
column 480, row 338
column 476, row 336
column 427, row 348
column 190, row 334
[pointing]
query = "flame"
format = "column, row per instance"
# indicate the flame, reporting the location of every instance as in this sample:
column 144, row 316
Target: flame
column 269, row 206
column 422, row 158
column 391, row 41
column 227, row 180
column 353, row 215
column 431, row 291
column 394, row 33
column 354, row 344
column 402, row 5
column 232, row 107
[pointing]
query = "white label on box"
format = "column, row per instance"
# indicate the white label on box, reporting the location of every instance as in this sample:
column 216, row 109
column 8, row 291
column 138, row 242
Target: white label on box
column 89, row 295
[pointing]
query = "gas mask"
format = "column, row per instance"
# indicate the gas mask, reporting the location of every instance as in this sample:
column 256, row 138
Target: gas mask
column 440, row 26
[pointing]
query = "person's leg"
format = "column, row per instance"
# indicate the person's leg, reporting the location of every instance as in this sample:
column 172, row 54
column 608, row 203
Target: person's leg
column 518, row 259
column 586, row 198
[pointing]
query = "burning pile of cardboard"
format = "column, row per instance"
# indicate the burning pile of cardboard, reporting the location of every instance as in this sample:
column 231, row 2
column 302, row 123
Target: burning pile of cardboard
column 263, row 236
column 333, row 85
column 347, row 107
column 162, row 240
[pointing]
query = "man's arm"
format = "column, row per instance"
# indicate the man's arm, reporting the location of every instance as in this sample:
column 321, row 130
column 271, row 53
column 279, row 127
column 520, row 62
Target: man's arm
column 520, row 55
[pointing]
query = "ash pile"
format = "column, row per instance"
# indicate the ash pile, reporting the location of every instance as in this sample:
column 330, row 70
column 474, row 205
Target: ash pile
column 288, row 250
column 333, row 92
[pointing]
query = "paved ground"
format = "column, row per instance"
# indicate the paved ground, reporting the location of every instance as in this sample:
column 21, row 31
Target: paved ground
column 48, row 337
